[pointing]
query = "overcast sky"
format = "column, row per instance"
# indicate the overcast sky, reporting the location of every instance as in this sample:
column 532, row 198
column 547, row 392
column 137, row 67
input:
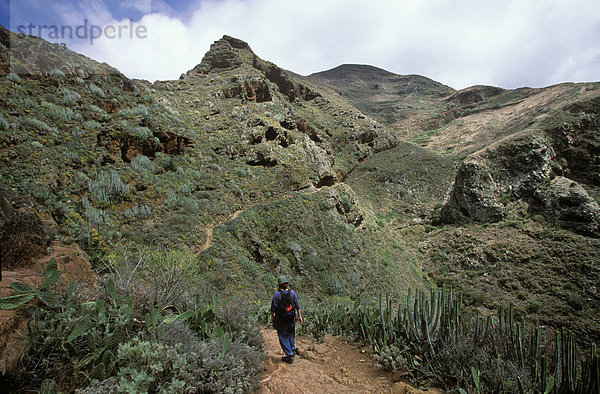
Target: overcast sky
column 459, row 43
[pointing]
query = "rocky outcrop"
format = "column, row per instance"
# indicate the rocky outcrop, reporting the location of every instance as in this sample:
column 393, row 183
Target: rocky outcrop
column 222, row 55
column 577, row 141
column 128, row 147
column 286, row 85
column 254, row 89
column 515, row 167
column 473, row 196
column 474, row 94
column 525, row 167
column 567, row 204
column 343, row 198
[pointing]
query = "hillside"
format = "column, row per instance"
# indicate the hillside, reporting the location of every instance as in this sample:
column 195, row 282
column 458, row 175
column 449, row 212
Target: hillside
column 353, row 182
column 403, row 102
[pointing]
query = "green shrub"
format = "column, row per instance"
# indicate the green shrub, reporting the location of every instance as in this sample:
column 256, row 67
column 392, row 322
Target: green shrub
column 59, row 113
column 70, row 97
column 138, row 211
column 169, row 274
column 37, row 125
column 74, row 343
column 27, row 103
column 142, row 163
column 96, row 109
column 94, row 89
column 392, row 358
column 140, row 132
column 92, row 125
column 13, row 78
column 151, row 367
column 57, row 73
column 3, row 124
column 108, row 187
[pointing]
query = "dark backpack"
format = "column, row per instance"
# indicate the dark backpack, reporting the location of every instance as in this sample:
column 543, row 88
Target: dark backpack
column 286, row 312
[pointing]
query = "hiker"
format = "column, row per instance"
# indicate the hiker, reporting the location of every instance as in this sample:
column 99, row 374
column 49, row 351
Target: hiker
column 283, row 317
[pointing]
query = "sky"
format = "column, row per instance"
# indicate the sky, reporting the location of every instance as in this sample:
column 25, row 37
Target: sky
column 460, row 43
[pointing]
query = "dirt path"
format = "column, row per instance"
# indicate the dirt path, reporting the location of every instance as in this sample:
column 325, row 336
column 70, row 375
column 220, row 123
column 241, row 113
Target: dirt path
column 208, row 231
column 328, row 366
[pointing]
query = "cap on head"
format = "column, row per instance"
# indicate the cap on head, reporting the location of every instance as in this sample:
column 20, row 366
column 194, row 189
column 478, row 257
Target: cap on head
column 281, row 280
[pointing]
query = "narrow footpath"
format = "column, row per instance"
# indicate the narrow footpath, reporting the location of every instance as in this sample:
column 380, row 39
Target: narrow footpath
column 327, row 366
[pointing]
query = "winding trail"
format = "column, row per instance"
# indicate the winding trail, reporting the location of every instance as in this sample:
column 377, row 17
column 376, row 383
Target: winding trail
column 327, row 366
column 208, row 231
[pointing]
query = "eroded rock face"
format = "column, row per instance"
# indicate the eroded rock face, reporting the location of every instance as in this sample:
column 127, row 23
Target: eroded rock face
column 567, row 204
column 292, row 90
column 129, row 147
column 254, row 89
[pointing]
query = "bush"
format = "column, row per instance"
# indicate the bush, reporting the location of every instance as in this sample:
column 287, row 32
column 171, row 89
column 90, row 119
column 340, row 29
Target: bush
column 142, row 163
column 70, row 97
column 94, row 89
column 13, row 78
column 152, row 367
column 108, row 187
column 57, row 73
column 391, row 358
column 38, row 125
column 138, row 211
column 92, row 125
column 74, row 342
column 140, row 132
column 3, row 124
column 59, row 113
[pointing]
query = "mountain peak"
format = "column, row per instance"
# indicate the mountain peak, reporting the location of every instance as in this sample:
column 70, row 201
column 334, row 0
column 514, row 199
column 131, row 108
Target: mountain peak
column 226, row 53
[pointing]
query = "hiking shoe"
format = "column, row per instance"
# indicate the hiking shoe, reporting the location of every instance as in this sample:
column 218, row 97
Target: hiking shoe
column 296, row 352
column 288, row 359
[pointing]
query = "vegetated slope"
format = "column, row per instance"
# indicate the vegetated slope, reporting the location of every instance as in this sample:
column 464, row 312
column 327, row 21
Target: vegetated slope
column 326, row 195
column 114, row 162
column 404, row 102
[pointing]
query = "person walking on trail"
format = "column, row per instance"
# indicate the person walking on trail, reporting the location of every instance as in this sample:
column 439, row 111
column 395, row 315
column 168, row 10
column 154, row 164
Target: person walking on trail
column 283, row 317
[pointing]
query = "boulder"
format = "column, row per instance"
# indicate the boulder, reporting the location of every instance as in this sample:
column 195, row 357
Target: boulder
column 566, row 203
column 473, row 196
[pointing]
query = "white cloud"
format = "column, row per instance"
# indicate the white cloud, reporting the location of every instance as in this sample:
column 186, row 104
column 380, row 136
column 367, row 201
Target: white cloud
column 459, row 43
